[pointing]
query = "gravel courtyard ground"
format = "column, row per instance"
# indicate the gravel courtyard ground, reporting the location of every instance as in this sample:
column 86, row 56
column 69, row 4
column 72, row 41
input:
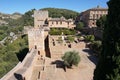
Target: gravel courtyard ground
column 85, row 69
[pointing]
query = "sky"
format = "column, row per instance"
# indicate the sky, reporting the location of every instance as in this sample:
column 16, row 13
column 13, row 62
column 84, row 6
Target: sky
column 22, row 6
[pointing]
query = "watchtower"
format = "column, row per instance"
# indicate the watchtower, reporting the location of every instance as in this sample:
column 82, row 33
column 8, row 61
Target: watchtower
column 40, row 17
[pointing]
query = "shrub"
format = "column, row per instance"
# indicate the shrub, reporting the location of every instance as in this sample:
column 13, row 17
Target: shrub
column 71, row 58
column 55, row 31
column 90, row 38
column 96, row 47
column 70, row 38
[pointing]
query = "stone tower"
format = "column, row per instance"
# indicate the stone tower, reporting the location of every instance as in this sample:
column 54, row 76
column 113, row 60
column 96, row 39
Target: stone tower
column 36, row 39
column 36, row 35
column 39, row 18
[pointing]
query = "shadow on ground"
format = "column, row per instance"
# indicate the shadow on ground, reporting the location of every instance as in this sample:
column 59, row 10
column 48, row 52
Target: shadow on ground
column 91, row 56
column 22, row 53
column 18, row 76
column 59, row 64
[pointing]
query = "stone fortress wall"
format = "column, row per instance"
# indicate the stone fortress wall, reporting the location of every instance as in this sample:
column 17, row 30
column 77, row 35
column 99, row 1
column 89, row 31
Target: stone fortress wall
column 34, row 62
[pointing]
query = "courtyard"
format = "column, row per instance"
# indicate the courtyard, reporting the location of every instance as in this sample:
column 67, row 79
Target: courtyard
column 85, row 69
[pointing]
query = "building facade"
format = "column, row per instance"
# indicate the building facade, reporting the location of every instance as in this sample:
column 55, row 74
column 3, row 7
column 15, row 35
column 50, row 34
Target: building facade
column 41, row 18
column 89, row 17
column 61, row 23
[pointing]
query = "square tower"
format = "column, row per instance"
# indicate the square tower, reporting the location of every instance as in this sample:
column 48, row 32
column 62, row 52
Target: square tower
column 36, row 39
column 40, row 17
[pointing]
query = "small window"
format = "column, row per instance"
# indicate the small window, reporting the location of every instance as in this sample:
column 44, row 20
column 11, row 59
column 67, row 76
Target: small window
column 68, row 23
column 38, row 52
column 56, row 22
column 60, row 22
column 35, row 47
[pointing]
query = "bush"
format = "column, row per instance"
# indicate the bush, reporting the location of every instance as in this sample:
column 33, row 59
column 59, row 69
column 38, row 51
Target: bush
column 71, row 58
column 70, row 38
column 90, row 38
column 60, row 40
column 96, row 47
column 79, row 26
column 56, row 31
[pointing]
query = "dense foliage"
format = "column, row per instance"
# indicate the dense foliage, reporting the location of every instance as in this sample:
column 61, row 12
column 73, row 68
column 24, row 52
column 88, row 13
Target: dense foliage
column 12, row 53
column 56, row 12
column 28, row 18
column 79, row 26
column 108, row 67
column 89, row 38
column 96, row 47
column 5, row 31
column 71, row 58
column 65, row 31
column 70, row 38
column 101, row 22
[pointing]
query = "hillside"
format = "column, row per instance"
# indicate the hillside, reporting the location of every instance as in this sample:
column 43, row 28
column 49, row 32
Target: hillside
column 5, row 17
column 56, row 12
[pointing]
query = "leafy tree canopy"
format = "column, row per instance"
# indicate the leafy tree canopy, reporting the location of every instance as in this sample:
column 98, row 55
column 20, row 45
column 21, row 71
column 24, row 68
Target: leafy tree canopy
column 79, row 26
column 56, row 12
column 108, row 67
column 71, row 58
column 101, row 22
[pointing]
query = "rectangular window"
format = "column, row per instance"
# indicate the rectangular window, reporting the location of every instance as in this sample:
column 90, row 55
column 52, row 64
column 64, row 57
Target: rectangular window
column 60, row 22
column 68, row 23
column 56, row 22
column 52, row 23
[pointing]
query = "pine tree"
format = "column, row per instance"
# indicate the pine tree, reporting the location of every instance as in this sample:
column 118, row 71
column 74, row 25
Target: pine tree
column 108, row 67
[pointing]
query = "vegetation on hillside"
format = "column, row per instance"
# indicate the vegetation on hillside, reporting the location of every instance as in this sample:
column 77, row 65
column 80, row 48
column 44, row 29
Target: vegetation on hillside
column 5, row 31
column 56, row 12
column 12, row 53
column 108, row 67
column 28, row 18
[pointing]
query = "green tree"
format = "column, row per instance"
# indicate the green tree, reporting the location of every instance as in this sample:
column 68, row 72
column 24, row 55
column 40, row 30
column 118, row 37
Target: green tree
column 28, row 18
column 108, row 67
column 101, row 22
column 71, row 58
column 90, row 38
column 96, row 47
column 79, row 26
